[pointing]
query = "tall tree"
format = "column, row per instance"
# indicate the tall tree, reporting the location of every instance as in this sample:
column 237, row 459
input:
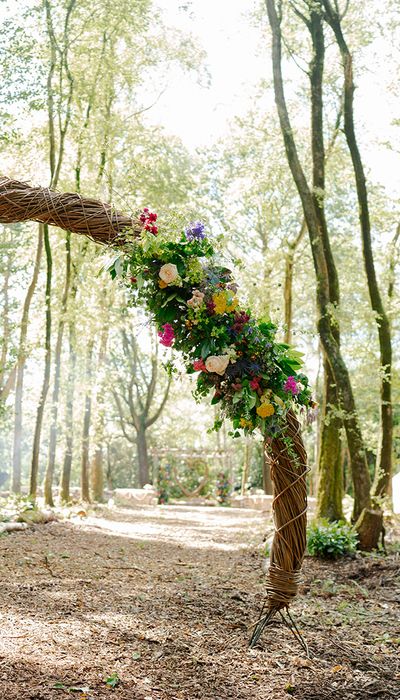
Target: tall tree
column 134, row 393
column 20, row 369
column 383, row 469
column 85, row 460
column 60, row 115
column 369, row 525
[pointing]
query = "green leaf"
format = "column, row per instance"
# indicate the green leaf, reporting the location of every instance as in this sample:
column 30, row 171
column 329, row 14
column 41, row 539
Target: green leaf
column 139, row 280
column 136, row 655
column 113, row 680
column 168, row 299
column 252, row 400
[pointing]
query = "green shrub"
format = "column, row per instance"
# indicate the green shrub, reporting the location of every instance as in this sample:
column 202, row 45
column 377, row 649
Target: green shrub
column 331, row 540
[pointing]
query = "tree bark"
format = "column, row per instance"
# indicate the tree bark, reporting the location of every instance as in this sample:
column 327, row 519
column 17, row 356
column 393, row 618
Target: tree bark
column 267, row 481
column 330, row 487
column 330, row 470
column 69, row 410
column 288, row 283
column 85, row 493
column 97, row 468
column 46, row 376
column 142, row 455
column 19, row 384
column 48, row 482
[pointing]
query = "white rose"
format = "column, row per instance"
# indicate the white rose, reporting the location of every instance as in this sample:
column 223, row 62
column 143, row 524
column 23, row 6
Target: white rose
column 217, row 363
column 168, row 273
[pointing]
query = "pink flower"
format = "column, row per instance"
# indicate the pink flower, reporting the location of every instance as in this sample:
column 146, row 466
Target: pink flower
column 167, row 335
column 199, row 366
column 290, row 386
column 255, row 383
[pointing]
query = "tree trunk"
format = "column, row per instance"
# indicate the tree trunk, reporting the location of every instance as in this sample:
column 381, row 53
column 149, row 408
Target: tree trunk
column 48, row 482
column 288, row 283
column 370, row 529
column 246, row 466
column 69, row 418
column 85, row 494
column 267, row 481
column 97, row 470
column 142, row 455
column 46, row 377
column 330, row 472
column 19, row 385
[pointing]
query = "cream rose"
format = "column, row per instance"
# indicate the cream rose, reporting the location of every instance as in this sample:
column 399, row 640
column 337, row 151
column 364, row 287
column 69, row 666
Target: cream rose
column 217, row 363
column 168, row 273
column 196, row 300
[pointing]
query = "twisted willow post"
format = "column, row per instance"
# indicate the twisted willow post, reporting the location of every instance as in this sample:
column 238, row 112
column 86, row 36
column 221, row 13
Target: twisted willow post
column 284, row 446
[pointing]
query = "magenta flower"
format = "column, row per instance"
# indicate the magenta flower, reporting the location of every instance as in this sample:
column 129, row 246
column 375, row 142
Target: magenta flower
column 290, row 386
column 255, row 383
column 167, row 335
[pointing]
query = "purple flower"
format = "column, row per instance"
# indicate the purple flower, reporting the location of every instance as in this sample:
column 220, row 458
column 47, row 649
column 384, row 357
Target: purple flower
column 195, row 231
column 290, row 386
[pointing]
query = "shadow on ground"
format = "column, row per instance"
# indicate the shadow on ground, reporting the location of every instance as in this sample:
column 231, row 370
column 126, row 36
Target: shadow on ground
column 163, row 597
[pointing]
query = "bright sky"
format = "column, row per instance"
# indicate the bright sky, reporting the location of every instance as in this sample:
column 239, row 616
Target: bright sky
column 200, row 114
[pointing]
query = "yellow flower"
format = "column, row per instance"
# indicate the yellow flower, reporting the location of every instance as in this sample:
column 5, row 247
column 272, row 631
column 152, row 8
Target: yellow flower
column 245, row 423
column 232, row 305
column 265, row 409
column 219, row 300
column 162, row 284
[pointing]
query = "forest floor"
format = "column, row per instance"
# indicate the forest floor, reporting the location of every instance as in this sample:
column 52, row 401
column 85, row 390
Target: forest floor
column 157, row 602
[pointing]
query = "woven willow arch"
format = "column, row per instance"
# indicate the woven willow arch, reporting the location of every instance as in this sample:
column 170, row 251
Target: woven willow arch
column 285, row 453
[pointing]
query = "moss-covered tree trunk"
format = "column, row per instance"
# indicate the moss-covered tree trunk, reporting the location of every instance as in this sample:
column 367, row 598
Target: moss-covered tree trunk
column 330, row 471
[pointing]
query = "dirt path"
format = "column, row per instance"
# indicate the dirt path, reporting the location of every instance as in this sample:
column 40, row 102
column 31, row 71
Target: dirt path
column 162, row 597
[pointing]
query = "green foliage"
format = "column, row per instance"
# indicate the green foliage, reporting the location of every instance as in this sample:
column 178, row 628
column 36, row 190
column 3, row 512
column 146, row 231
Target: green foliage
column 331, row 540
column 164, row 483
column 17, row 509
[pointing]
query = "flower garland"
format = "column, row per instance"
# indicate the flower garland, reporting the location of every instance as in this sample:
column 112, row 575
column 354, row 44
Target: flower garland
column 194, row 303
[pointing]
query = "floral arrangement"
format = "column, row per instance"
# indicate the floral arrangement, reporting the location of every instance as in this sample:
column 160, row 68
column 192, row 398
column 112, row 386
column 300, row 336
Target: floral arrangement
column 194, row 303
